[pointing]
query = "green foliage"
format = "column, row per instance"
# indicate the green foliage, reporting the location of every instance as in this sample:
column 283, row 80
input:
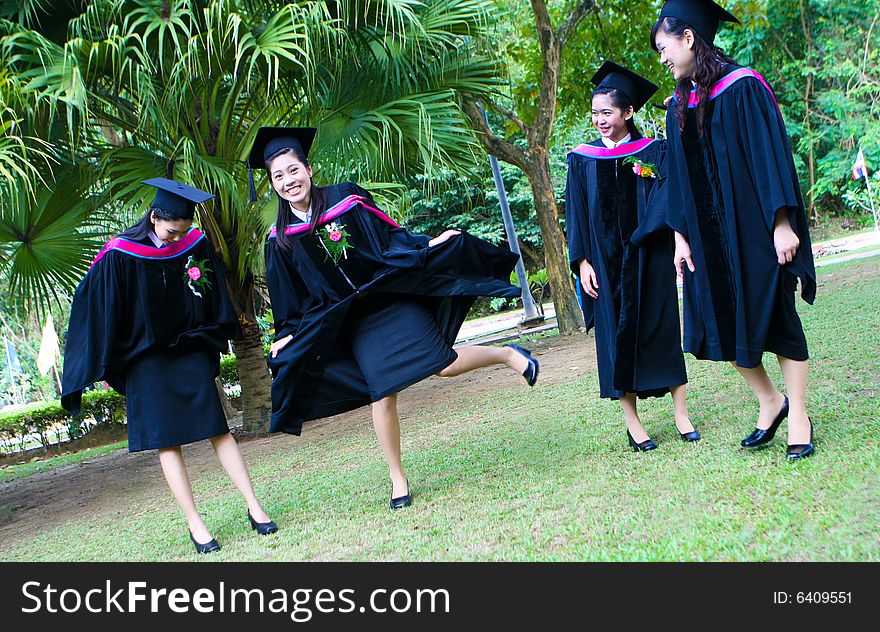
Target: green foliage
column 228, row 370
column 822, row 59
column 500, row 303
column 38, row 418
column 449, row 200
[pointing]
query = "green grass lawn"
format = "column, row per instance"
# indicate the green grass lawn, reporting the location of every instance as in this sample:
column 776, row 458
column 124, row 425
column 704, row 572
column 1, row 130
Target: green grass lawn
column 545, row 474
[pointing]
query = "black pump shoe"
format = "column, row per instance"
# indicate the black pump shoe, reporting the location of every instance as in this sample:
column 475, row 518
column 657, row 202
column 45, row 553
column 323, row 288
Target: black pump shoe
column 207, row 547
column 760, row 436
column 644, row 446
column 401, row 501
column 801, row 450
column 690, row 437
column 263, row 528
column 531, row 372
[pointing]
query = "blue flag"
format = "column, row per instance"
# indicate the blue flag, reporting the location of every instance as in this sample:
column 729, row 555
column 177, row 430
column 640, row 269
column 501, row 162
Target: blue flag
column 12, row 363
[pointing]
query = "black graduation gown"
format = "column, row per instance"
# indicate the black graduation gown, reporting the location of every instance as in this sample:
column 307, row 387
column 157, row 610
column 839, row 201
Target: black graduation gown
column 638, row 340
column 725, row 188
column 316, row 374
column 135, row 323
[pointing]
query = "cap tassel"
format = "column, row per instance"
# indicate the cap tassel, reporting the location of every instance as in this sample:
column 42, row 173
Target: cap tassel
column 253, row 188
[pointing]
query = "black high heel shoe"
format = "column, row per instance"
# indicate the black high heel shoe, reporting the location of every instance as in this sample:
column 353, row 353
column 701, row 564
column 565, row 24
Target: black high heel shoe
column 644, row 446
column 207, row 547
column 401, row 501
column 691, row 436
column 531, row 372
column 263, row 528
column 801, row 450
column 760, row 436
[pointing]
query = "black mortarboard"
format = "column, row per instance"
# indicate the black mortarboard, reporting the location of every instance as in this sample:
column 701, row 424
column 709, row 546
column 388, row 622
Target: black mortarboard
column 175, row 198
column 271, row 140
column 636, row 87
column 701, row 15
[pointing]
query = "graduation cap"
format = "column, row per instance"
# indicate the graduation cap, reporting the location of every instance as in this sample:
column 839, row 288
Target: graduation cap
column 176, row 198
column 636, row 87
column 271, row 140
column 703, row 16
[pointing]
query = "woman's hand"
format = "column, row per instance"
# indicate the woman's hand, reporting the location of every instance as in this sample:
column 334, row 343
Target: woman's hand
column 278, row 345
column 682, row 254
column 588, row 279
column 785, row 240
column 444, row 236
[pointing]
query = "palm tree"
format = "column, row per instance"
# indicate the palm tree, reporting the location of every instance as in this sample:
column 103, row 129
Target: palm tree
column 179, row 88
column 48, row 223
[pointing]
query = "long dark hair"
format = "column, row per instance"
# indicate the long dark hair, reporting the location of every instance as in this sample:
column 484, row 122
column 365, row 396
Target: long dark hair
column 621, row 101
column 144, row 226
column 285, row 215
column 709, row 64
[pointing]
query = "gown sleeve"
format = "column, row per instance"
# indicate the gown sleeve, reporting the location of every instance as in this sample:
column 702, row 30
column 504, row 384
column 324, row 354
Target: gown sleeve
column 676, row 181
column 761, row 136
column 653, row 215
column 97, row 310
column 287, row 292
column 218, row 323
column 577, row 217
column 761, row 133
column 393, row 246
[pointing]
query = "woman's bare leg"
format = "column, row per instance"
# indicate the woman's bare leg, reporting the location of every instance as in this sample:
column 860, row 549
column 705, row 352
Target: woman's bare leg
column 386, row 423
column 680, row 408
column 230, row 458
column 631, row 416
column 477, row 356
column 795, row 373
column 769, row 397
column 174, row 469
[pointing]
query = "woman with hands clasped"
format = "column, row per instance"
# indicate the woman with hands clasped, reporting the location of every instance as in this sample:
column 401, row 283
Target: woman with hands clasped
column 614, row 189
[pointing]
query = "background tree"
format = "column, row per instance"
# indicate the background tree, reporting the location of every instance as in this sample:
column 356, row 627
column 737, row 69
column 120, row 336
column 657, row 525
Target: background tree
column 822, row 59
column 550, row 53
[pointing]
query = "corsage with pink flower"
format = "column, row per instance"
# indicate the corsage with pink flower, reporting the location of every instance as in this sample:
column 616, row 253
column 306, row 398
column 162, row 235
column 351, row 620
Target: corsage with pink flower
column 334, row 238
column 641, row 168
column 196, row 275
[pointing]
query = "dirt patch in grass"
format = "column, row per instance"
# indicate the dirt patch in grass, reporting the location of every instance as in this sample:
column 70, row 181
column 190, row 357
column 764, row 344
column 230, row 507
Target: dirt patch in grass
column 108, row 482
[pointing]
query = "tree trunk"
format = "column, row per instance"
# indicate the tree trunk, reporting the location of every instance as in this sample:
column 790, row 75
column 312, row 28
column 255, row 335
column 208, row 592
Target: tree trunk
column 568, row 315
column 253, row 375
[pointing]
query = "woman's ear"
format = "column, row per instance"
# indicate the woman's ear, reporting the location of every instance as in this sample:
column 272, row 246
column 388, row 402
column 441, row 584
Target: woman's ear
column 152, row 218
column 629, row 113
column 688, row 38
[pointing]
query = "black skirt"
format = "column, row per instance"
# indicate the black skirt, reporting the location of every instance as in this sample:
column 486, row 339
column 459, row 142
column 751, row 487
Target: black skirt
column 396, row 342
column 785, row 332
column 171, row 399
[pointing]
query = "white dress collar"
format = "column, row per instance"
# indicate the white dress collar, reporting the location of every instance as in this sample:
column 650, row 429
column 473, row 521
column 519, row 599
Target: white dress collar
column 155, row 239
column 610, row 144
column 303, row 217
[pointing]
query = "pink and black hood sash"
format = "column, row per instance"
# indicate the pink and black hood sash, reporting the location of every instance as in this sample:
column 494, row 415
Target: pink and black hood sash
column 725, row 82
column 341, row 207
column 621, row 151
column 142, row 251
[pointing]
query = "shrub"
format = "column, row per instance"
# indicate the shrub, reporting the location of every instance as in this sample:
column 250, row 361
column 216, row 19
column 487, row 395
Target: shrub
column 37, row 418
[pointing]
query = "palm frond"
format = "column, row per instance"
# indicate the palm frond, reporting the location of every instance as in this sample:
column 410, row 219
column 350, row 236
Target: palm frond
column 47, row 242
